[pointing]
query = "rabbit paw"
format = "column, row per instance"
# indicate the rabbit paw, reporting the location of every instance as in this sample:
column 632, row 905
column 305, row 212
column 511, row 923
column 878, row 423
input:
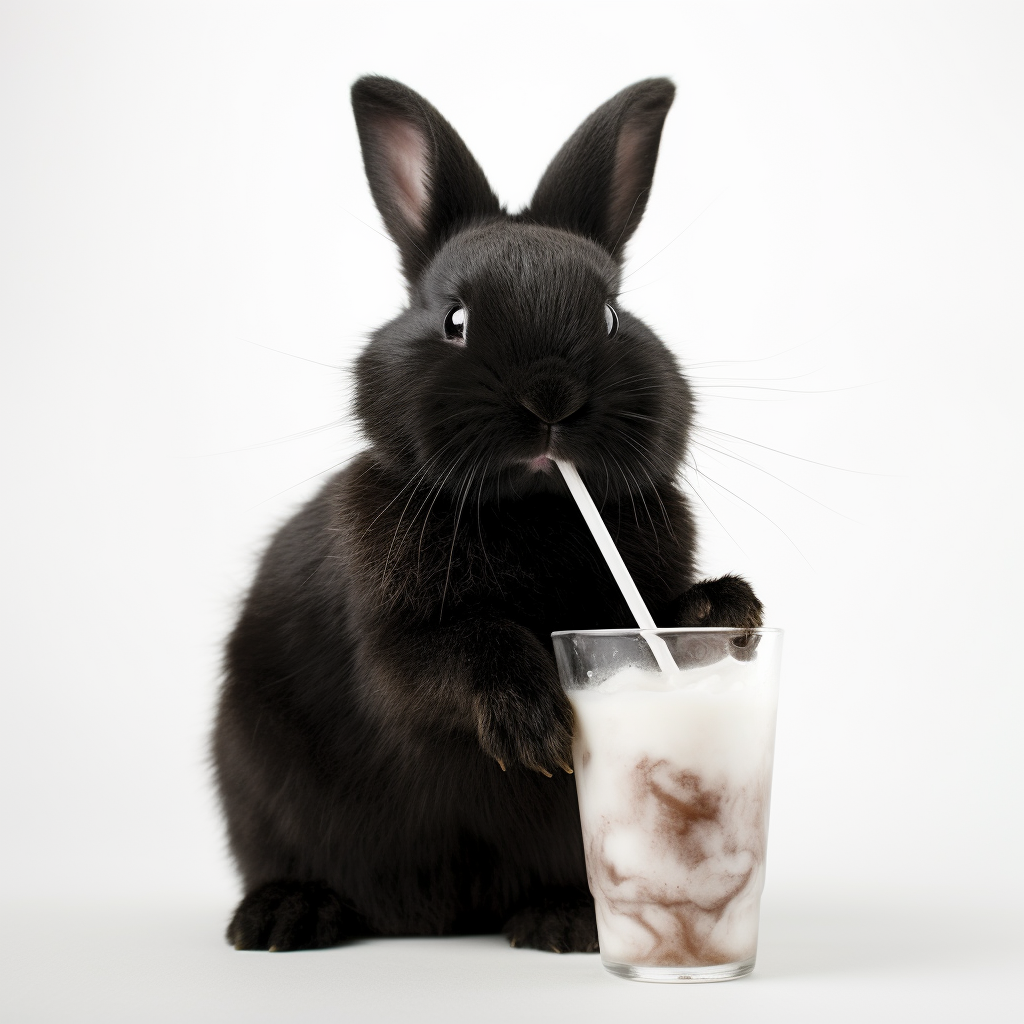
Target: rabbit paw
column 560, row 925
column 729, row 601
column 530, row 729
column 281, row 916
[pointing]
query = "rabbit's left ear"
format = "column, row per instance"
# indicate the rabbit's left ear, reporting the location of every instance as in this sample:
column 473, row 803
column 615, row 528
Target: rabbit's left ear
column 598, row 183
column 424, row 180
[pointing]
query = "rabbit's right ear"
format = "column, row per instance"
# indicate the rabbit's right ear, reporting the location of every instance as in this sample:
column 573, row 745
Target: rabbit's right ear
column 598, row 183
column 424, row 180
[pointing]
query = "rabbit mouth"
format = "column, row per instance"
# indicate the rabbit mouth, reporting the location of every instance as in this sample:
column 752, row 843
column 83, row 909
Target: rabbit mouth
column 541, row 464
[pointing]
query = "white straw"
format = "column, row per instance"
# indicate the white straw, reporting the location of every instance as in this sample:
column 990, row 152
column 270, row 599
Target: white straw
column 643, row 617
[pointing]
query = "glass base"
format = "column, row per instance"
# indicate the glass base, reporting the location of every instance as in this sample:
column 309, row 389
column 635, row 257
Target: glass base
column 670, row 975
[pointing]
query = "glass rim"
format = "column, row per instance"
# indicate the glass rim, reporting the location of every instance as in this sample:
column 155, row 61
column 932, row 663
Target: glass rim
column 675, row 630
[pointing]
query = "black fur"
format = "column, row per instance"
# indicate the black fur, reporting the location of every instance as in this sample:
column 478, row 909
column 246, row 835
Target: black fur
column 391, row 736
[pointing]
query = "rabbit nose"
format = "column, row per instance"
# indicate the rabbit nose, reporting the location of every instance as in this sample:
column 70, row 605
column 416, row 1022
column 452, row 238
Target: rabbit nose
column 553, row 392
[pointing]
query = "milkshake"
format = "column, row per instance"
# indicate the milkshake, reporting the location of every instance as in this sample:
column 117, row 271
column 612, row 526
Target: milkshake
column 673, row 771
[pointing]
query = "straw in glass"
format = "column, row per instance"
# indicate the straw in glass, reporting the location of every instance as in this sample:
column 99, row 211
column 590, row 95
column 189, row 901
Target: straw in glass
column 643, row 617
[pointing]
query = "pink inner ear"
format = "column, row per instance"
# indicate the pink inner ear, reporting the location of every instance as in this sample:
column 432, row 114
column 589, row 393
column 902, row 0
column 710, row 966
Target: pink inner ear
column 408, row 160
column 629, row 172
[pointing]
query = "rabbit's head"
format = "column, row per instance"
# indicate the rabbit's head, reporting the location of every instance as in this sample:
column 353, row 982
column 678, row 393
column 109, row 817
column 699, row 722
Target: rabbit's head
column 513, row 347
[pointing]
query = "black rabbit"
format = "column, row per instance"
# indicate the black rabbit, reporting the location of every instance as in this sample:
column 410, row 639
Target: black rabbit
column 391, row 734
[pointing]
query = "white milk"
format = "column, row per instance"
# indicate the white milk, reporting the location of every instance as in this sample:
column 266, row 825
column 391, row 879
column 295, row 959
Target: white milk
column 674, row 773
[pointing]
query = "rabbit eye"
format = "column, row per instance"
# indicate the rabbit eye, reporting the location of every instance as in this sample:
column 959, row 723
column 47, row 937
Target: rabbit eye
column 455, row 324
column 611, row 320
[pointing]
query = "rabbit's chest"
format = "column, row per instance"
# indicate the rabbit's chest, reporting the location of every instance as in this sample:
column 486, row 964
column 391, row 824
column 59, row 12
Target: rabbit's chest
column 533, row 562
column 549, row 577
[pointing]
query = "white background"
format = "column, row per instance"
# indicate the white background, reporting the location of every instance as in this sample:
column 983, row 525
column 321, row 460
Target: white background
column 833, row 247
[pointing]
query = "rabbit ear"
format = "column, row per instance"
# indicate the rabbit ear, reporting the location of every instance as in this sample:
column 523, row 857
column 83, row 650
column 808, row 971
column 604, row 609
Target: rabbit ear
column 598, row 183
column 424, row 180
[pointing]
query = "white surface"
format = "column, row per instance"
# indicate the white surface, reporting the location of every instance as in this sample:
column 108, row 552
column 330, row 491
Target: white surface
column 837, row 213
column 873, row 963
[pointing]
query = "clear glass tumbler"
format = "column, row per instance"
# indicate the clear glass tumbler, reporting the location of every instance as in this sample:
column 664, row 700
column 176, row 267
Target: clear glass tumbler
column 673, row 772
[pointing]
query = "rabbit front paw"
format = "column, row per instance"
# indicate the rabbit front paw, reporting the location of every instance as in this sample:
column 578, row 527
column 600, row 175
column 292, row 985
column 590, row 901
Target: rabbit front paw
column 728, row 601
column 532, row 729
